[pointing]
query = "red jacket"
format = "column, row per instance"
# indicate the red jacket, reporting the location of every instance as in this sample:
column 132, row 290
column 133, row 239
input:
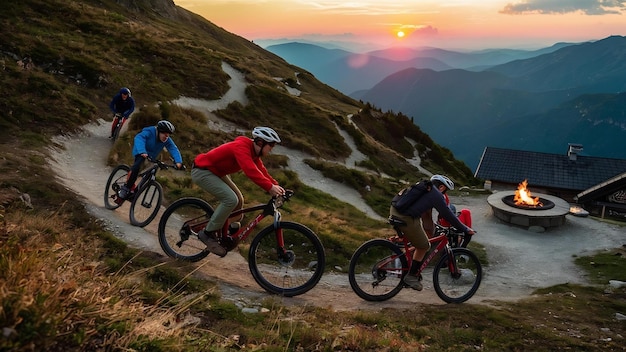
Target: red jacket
column 231, row 157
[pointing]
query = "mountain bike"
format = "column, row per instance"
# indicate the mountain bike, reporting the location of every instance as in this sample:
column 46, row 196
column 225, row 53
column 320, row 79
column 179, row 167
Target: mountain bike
column 119, row 122
column 145, row 196
column 285, row 258
column 378, row 266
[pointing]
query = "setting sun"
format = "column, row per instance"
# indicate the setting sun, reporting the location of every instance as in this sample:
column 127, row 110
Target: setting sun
column 400, row 34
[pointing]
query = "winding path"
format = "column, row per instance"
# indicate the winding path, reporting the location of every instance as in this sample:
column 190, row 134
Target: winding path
column 519, row 261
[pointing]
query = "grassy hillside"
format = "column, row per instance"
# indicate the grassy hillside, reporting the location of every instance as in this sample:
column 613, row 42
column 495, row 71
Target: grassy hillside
column 67, row 284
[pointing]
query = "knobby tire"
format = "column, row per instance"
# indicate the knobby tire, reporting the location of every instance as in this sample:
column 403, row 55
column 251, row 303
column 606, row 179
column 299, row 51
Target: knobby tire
column 146, row 203
column 291, row 276
column 180, row 244
column 116, row 131
column 371, row 280
column 117, row 178
column 458, row 288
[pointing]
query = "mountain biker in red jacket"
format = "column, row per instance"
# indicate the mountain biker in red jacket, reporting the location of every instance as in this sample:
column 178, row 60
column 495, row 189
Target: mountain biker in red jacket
column 419, row 220
column 122, row 103
column 211, row 171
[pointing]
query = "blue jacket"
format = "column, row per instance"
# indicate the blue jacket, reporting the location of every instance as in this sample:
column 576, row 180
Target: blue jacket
column 121, row 106
column 147, row 141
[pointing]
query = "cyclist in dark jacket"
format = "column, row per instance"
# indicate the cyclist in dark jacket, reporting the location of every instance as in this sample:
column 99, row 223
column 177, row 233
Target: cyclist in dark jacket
column 124, row 104
column 149, row 143
column 420, row 223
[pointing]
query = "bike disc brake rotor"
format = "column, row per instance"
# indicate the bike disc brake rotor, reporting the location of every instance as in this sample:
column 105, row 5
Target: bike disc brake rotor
column 288, row 258
column 184, row 233
column 378, row 271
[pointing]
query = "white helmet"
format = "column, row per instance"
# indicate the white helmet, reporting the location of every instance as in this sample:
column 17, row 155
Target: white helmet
column 443, row 180
column 265, row 133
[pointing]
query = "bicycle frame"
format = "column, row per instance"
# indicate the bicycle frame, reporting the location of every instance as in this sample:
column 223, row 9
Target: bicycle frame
column 147, row 175
column 244, row 232
column 268, row 209
column 150, row 173
column 443, row 245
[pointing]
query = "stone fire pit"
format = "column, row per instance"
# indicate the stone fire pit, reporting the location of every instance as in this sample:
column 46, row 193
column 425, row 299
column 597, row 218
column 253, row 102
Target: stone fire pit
column 545, row 217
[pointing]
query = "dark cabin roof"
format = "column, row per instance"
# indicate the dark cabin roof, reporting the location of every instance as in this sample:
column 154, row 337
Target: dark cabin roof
column 607, row 187
column 557, row 171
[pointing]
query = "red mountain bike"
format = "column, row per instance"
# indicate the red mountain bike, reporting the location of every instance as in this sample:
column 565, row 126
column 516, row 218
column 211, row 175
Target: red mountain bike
column 285, row 258
column 119, row 122
column 378, row 266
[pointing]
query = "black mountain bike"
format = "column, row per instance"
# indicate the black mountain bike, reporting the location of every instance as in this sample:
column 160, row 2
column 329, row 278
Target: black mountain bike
column 145, row 197
column 285, row 258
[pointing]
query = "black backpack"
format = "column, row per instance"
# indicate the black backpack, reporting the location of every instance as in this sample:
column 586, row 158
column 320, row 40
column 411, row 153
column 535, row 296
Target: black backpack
column 403, row 200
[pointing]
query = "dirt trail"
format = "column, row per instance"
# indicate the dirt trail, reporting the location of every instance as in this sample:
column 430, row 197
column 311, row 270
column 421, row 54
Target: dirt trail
column 519, row 260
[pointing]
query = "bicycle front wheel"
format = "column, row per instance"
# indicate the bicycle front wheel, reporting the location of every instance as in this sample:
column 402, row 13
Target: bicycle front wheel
column 459, row 286
column 118, row 177
column 146, row 203
column 293, row 272
column 116, row 132
column 179, row 226
column 376, row 270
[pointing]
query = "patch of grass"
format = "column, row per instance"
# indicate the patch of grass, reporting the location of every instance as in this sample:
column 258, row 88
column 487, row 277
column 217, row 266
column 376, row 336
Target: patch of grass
column 605, row 266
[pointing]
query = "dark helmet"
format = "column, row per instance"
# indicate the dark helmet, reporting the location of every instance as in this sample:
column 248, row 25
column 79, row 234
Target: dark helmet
column 125, row 91
column 165, row 127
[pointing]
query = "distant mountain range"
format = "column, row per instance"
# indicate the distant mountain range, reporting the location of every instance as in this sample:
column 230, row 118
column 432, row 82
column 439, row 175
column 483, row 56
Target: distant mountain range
column 538, row 101
column 349, row 72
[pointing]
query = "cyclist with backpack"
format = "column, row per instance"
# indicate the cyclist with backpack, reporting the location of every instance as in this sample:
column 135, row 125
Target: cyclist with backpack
column 419, row 221
column 122, row 105
column 149, row 143
column 465, row 216
column 211, row 171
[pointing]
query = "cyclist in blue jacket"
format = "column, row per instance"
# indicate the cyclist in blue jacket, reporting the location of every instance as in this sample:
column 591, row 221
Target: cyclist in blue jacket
column 124, row 104
column 149, row 143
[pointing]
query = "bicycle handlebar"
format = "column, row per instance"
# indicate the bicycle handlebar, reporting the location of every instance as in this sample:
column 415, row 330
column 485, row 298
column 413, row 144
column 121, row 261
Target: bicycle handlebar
column 279, row 200
column 165, row 166
column 449, row 229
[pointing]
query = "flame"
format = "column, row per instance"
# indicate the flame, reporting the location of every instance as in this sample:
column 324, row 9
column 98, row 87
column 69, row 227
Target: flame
column 523, row 196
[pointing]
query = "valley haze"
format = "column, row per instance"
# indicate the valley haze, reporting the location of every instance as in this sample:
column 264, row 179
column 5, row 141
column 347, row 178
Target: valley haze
column 538, row 100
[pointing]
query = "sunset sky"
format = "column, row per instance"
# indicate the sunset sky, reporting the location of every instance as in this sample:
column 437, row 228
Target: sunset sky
column 452, row 24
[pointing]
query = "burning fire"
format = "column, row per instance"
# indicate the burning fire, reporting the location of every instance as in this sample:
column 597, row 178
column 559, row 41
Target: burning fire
column 523, row 196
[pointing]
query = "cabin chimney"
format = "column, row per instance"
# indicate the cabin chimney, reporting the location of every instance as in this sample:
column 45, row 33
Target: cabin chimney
column 573, row 149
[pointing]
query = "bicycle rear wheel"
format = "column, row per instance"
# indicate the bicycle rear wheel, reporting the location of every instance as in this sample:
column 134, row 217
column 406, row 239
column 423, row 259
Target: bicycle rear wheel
column 459, row 287
column 295, row 272
column 118, row 177
column 179, row 226
column 146, row 204
column 376, row 270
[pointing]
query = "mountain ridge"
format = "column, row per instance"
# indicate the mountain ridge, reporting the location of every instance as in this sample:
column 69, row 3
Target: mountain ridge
column 466, row 114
